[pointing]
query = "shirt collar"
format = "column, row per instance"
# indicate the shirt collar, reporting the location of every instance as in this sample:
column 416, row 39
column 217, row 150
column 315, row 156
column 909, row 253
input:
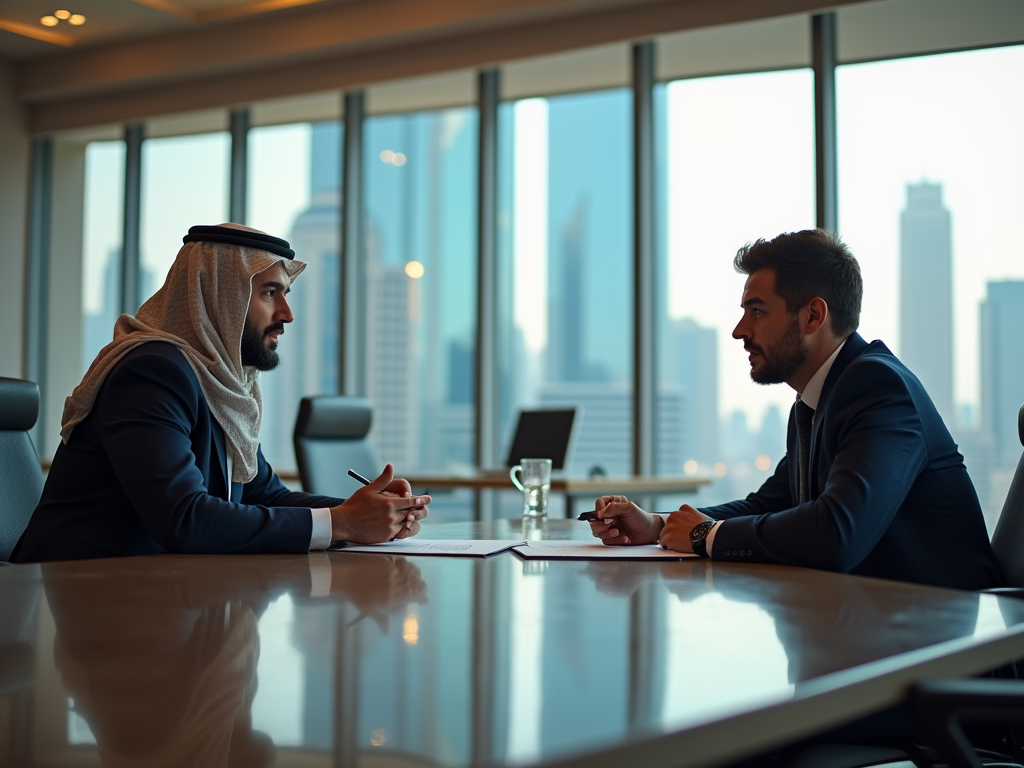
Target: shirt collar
column 812, row 392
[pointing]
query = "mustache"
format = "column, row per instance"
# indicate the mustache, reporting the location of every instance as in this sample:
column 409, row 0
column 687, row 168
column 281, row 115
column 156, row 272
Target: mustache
column 753, row 348
column 273, row 328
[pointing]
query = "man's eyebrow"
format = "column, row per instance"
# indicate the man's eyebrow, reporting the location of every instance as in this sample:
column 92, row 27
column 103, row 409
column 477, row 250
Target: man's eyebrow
column 273, row 284
column 754, row 300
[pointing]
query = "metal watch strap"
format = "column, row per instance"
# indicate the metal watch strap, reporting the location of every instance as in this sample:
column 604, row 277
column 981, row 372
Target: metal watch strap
column 699, row 537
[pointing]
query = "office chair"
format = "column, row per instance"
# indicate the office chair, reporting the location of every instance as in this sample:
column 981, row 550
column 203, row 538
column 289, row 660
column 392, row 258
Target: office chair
column 330, row 439
column 21, row 477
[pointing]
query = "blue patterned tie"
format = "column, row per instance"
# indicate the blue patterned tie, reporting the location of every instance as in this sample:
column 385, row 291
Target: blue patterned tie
column 804, row 417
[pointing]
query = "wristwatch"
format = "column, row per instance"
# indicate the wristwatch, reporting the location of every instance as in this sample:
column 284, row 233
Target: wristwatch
column 699, row 535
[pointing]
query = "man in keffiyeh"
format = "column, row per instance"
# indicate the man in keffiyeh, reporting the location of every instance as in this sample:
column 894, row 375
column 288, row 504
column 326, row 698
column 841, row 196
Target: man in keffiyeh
column 160, row 442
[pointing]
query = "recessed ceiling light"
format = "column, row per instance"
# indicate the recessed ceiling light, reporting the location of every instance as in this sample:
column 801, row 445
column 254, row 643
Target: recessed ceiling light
column 77, row 20
column 64, row 15
column 48, row 21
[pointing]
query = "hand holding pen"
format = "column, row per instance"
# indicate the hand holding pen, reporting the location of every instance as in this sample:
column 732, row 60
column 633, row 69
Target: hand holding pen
column 384, row 510
column 618, row 521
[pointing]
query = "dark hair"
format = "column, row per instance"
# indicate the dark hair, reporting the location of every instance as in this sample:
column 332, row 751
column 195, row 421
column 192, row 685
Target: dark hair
column 814, row 262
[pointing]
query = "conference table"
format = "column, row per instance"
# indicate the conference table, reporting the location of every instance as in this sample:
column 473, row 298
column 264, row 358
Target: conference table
column 379, row 660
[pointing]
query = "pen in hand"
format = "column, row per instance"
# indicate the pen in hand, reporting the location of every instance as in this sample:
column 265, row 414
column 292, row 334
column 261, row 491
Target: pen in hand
column 352, row 473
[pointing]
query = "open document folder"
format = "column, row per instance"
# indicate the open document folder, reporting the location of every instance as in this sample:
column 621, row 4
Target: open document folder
column 454, row 548
column 582, row 550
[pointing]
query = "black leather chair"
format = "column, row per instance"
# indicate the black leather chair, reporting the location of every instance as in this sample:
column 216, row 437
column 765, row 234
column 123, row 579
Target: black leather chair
column 21, row 477
column 330, row 439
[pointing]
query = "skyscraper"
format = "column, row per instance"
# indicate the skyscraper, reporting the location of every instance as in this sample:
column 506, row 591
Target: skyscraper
column 1002, row 368
column 926, row 293
column 689, row 361
column 309, row 350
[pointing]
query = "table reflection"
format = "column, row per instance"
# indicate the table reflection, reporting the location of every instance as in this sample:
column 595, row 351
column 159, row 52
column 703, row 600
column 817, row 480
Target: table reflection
column 346, row 659
column 160, row 662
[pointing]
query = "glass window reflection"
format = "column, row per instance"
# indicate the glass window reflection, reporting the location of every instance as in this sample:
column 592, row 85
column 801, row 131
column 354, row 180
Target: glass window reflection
column 735, row 163
column 101, row 252
column 295, row 193
column 565, row 244
column 184, row 182
column 420, row 256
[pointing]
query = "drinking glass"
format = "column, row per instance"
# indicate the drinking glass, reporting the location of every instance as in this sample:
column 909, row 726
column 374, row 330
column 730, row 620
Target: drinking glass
column 535, row 485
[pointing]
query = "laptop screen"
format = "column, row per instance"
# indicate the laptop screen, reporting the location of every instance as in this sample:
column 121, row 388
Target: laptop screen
column 542, row 435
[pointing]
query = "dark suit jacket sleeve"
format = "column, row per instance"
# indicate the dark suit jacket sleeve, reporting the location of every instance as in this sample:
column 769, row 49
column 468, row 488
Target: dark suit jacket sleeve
column 880, row 451
column 148, row 413
column 267, row 488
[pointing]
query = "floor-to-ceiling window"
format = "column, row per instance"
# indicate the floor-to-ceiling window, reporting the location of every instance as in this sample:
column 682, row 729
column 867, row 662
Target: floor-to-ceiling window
column 101, row 245
column 294, row 179
column 184, row 182
column 420, row 270
column 930, row 201
column 735, row 162
column 565, row 276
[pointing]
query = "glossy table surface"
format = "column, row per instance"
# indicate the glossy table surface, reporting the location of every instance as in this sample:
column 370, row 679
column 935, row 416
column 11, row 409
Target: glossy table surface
column 374, row 660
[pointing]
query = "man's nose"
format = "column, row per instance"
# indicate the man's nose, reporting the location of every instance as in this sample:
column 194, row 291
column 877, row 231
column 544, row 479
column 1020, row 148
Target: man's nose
column 284, row 312
column 739, row 332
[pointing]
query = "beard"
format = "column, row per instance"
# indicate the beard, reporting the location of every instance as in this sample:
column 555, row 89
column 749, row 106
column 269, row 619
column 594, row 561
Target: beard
column 782, row 359
column 255, row 351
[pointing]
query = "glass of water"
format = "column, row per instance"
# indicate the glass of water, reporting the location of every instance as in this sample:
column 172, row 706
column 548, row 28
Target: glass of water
column 535, row 485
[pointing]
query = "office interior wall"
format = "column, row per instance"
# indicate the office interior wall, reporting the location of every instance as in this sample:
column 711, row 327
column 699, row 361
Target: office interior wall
column 14, row 154
column 63, row 354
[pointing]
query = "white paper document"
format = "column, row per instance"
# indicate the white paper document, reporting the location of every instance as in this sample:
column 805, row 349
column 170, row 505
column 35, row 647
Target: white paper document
column 453, row 548
column 581, row 550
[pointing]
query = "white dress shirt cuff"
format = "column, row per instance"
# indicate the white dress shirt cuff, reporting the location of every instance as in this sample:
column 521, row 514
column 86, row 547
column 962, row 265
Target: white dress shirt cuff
column 709, row 540
column 321, row 537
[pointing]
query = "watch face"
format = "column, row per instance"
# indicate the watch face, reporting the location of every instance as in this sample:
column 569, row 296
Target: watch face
column 701, row 530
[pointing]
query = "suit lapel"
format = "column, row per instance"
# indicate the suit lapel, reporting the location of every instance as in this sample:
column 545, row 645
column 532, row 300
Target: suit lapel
column 855, row 344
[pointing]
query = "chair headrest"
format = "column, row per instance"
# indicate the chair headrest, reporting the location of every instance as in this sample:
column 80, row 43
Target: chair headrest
column 334, row 416
column 19, row 404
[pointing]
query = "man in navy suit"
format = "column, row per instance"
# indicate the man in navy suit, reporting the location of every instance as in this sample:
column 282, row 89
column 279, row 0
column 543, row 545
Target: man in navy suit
column 872, row 482
column 161, row 439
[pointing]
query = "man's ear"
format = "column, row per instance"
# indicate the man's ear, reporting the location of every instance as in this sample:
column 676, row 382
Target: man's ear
column 817, row 315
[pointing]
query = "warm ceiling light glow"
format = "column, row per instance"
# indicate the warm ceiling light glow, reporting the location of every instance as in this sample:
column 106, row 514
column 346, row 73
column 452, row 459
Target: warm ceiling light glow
column 399, row 159
column 763, row 462
column 48, row 21
column 78, row 20
column 414, row 270
column 63, row 15
column 387, row 156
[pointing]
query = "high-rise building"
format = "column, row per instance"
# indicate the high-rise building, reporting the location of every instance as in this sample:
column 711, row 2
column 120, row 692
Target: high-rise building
column 309, row 348
column 1002, row 368
column 689, row 361
column 926, row 293
column 391, row 372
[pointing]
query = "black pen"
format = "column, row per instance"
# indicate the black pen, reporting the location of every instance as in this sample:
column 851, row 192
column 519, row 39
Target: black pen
column 358, row 477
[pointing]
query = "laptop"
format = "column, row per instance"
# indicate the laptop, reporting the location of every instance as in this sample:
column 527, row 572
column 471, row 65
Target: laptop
column 542, row 434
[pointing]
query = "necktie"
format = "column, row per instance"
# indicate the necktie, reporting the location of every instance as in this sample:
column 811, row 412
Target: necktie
column 804, row 416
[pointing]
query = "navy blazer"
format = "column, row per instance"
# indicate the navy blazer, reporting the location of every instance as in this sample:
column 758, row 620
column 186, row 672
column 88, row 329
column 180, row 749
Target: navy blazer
column 146, row 472
column 889, row 495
